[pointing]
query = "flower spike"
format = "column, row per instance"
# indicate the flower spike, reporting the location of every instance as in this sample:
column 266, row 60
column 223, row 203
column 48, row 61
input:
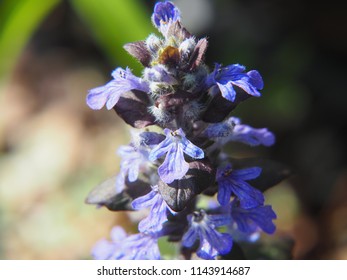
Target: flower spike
column 182, row 113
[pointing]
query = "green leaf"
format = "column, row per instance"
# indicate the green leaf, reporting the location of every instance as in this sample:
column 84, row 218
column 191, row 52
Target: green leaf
column 115, row 23
column 18, row 20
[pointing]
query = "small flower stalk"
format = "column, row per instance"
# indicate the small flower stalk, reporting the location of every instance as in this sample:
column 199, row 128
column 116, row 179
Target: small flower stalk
column 165, row 174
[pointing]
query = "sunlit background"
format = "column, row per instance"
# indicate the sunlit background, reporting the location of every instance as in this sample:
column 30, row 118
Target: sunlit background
column 54, row 149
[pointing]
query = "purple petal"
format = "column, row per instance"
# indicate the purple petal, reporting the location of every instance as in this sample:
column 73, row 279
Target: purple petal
column 134, row 171
column 218, row 130
column 255, row 79
column 190, row 237
column 97, row 97
column 248, row 220
column 118, row 234
column 244, row 224
column 103, row 250
column 221, row 241
column 115, row 91
column 174, row 166
column 232, row 69
column 227, row 91
column 249, row 197
column 206, row 250
column 264, row 219
column 132, row 160
column 144, row 201
column 158, row 215
column 231, row 75
column 151, row 138
column 224, row 192
column 191, row 150
column 246, row 173
column 219, row 219
column 141, row 247
column 220, row 172
column 161, row 149
column 203, row 228
column 266, row 138
column 152, row 252
column 109, row 94
column 234, row 121
column 246, row 86
column 210, row 79
column 252, row 136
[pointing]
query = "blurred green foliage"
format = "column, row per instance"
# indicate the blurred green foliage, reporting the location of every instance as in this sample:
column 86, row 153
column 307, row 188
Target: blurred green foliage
column 18, row 20
column 112, row 23
column 115, row 23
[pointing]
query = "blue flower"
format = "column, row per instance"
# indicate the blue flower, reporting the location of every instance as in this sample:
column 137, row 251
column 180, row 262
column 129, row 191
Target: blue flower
column 147, row 138
column 122, row 247
column 249, row 135
column 141, row 247
column 233, row 130
column 219, row 130
column 110, row 250
column 109, row 94
column 175, row 145
column 135, row 157
column 202, row 227
column 250, row 220
column 232, row 182
column 228, row 77
column 157, row 216
column 165, row 13
column 133, row 161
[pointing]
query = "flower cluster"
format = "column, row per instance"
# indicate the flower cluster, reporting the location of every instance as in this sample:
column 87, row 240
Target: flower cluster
column 166, row 173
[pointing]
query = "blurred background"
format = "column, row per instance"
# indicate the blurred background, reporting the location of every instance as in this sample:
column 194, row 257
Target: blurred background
column 54, row 149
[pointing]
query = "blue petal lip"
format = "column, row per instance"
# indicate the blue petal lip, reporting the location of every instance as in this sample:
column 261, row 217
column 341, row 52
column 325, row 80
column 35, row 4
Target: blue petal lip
column 109, row 94
column 233, row 75
column 175, row 145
